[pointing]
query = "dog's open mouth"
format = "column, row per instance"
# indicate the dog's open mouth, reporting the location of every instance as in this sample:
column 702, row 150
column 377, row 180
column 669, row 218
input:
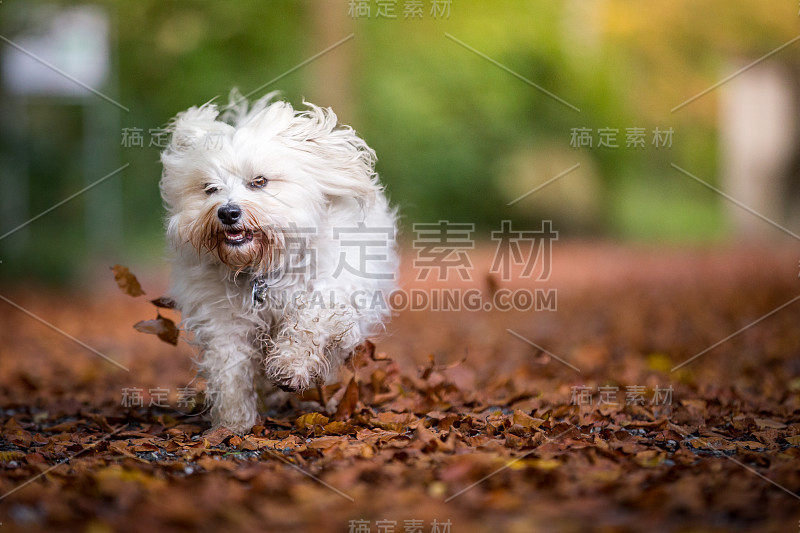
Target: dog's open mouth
column 237, row 237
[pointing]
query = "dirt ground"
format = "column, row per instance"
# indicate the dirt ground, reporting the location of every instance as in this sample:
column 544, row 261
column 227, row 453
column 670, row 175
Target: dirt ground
column 572, row 419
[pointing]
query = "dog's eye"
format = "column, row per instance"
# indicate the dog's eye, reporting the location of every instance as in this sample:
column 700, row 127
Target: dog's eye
column 209, row 189
column 259, row 182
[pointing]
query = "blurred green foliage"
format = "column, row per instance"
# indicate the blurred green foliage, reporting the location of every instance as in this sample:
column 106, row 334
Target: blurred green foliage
column 457, row 137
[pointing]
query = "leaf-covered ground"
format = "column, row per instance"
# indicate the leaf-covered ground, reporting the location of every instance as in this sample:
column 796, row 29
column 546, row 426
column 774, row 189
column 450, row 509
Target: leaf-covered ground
column 456, row 422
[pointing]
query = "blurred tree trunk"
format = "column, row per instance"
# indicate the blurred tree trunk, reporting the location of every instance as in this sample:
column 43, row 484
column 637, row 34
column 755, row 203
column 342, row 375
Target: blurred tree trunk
column 791, row 190
column 759, row 141
column 331, row 75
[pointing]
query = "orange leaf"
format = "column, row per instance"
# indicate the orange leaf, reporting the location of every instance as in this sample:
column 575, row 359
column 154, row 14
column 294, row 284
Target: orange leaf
column 126, row 281
column 348, row 403
column 216, row 436
column 310, row 420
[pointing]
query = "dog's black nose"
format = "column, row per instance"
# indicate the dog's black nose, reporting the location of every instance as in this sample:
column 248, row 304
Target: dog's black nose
column 229, row 214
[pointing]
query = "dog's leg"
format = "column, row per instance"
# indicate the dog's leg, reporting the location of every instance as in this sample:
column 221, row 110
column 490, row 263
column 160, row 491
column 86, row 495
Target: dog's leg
column 313, row 342
column 229, row 363
column 224, row 331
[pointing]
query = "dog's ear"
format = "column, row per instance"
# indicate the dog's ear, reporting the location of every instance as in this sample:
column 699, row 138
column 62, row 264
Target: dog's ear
column 348, row 163
column 195, row 135
column 352, row 169
column 194, row 127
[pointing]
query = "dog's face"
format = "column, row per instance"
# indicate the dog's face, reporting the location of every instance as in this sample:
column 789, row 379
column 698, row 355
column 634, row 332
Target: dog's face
column 236, row 187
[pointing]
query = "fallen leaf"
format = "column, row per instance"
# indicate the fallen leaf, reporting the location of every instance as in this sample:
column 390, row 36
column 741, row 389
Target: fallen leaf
column 538, row 464
column 217, row 436
column 214, row 463
column 650, row 458
column 310, row 420
column 34, row 458
column 396, row 422
column 162, row 327
column 348, row 402
column 8, row 456
column 769, row 423
column 322, row 443
column 659, row 362
column 126, row 281
column 526, row 420
column 164, row 302
column 339, row 428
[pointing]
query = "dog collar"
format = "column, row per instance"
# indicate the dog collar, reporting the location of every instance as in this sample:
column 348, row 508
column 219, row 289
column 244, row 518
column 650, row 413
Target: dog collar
column 260, row 287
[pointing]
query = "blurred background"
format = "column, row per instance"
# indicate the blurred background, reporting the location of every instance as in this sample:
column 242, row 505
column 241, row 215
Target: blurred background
column 660, row 138
column 469, row 105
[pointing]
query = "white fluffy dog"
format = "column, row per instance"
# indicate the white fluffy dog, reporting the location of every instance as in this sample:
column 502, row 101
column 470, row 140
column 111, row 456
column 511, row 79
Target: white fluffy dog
column 284, row 246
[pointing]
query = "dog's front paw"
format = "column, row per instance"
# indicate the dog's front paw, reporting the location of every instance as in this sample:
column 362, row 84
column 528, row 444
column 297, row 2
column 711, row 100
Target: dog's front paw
column 293, row 367
column 239, row 422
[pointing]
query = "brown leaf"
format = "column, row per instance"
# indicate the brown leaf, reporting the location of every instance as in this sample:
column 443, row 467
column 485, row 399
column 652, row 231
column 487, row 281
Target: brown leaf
column 64, row 427
column 769, row 423
column 133, row 435
column 339, row 428
column 397, row 422
column 126, row 281
column 162, row 327
column 8, row 456
column 164, row 302
column 249, row 443
column 216, row 436
column 121, row 447
column 212, row 463
column 749, row 445
column 313, row 394
column 365, row 350
column 326, row 442
column 650, row 458
column 349, row 401
column 34, row 458
column 427, row 370
column 309, row 420
column 526, row 421
column 101, row 421
column 426, row 440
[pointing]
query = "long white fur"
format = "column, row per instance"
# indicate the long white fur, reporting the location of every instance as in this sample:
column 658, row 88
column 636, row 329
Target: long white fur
column 321, row 178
